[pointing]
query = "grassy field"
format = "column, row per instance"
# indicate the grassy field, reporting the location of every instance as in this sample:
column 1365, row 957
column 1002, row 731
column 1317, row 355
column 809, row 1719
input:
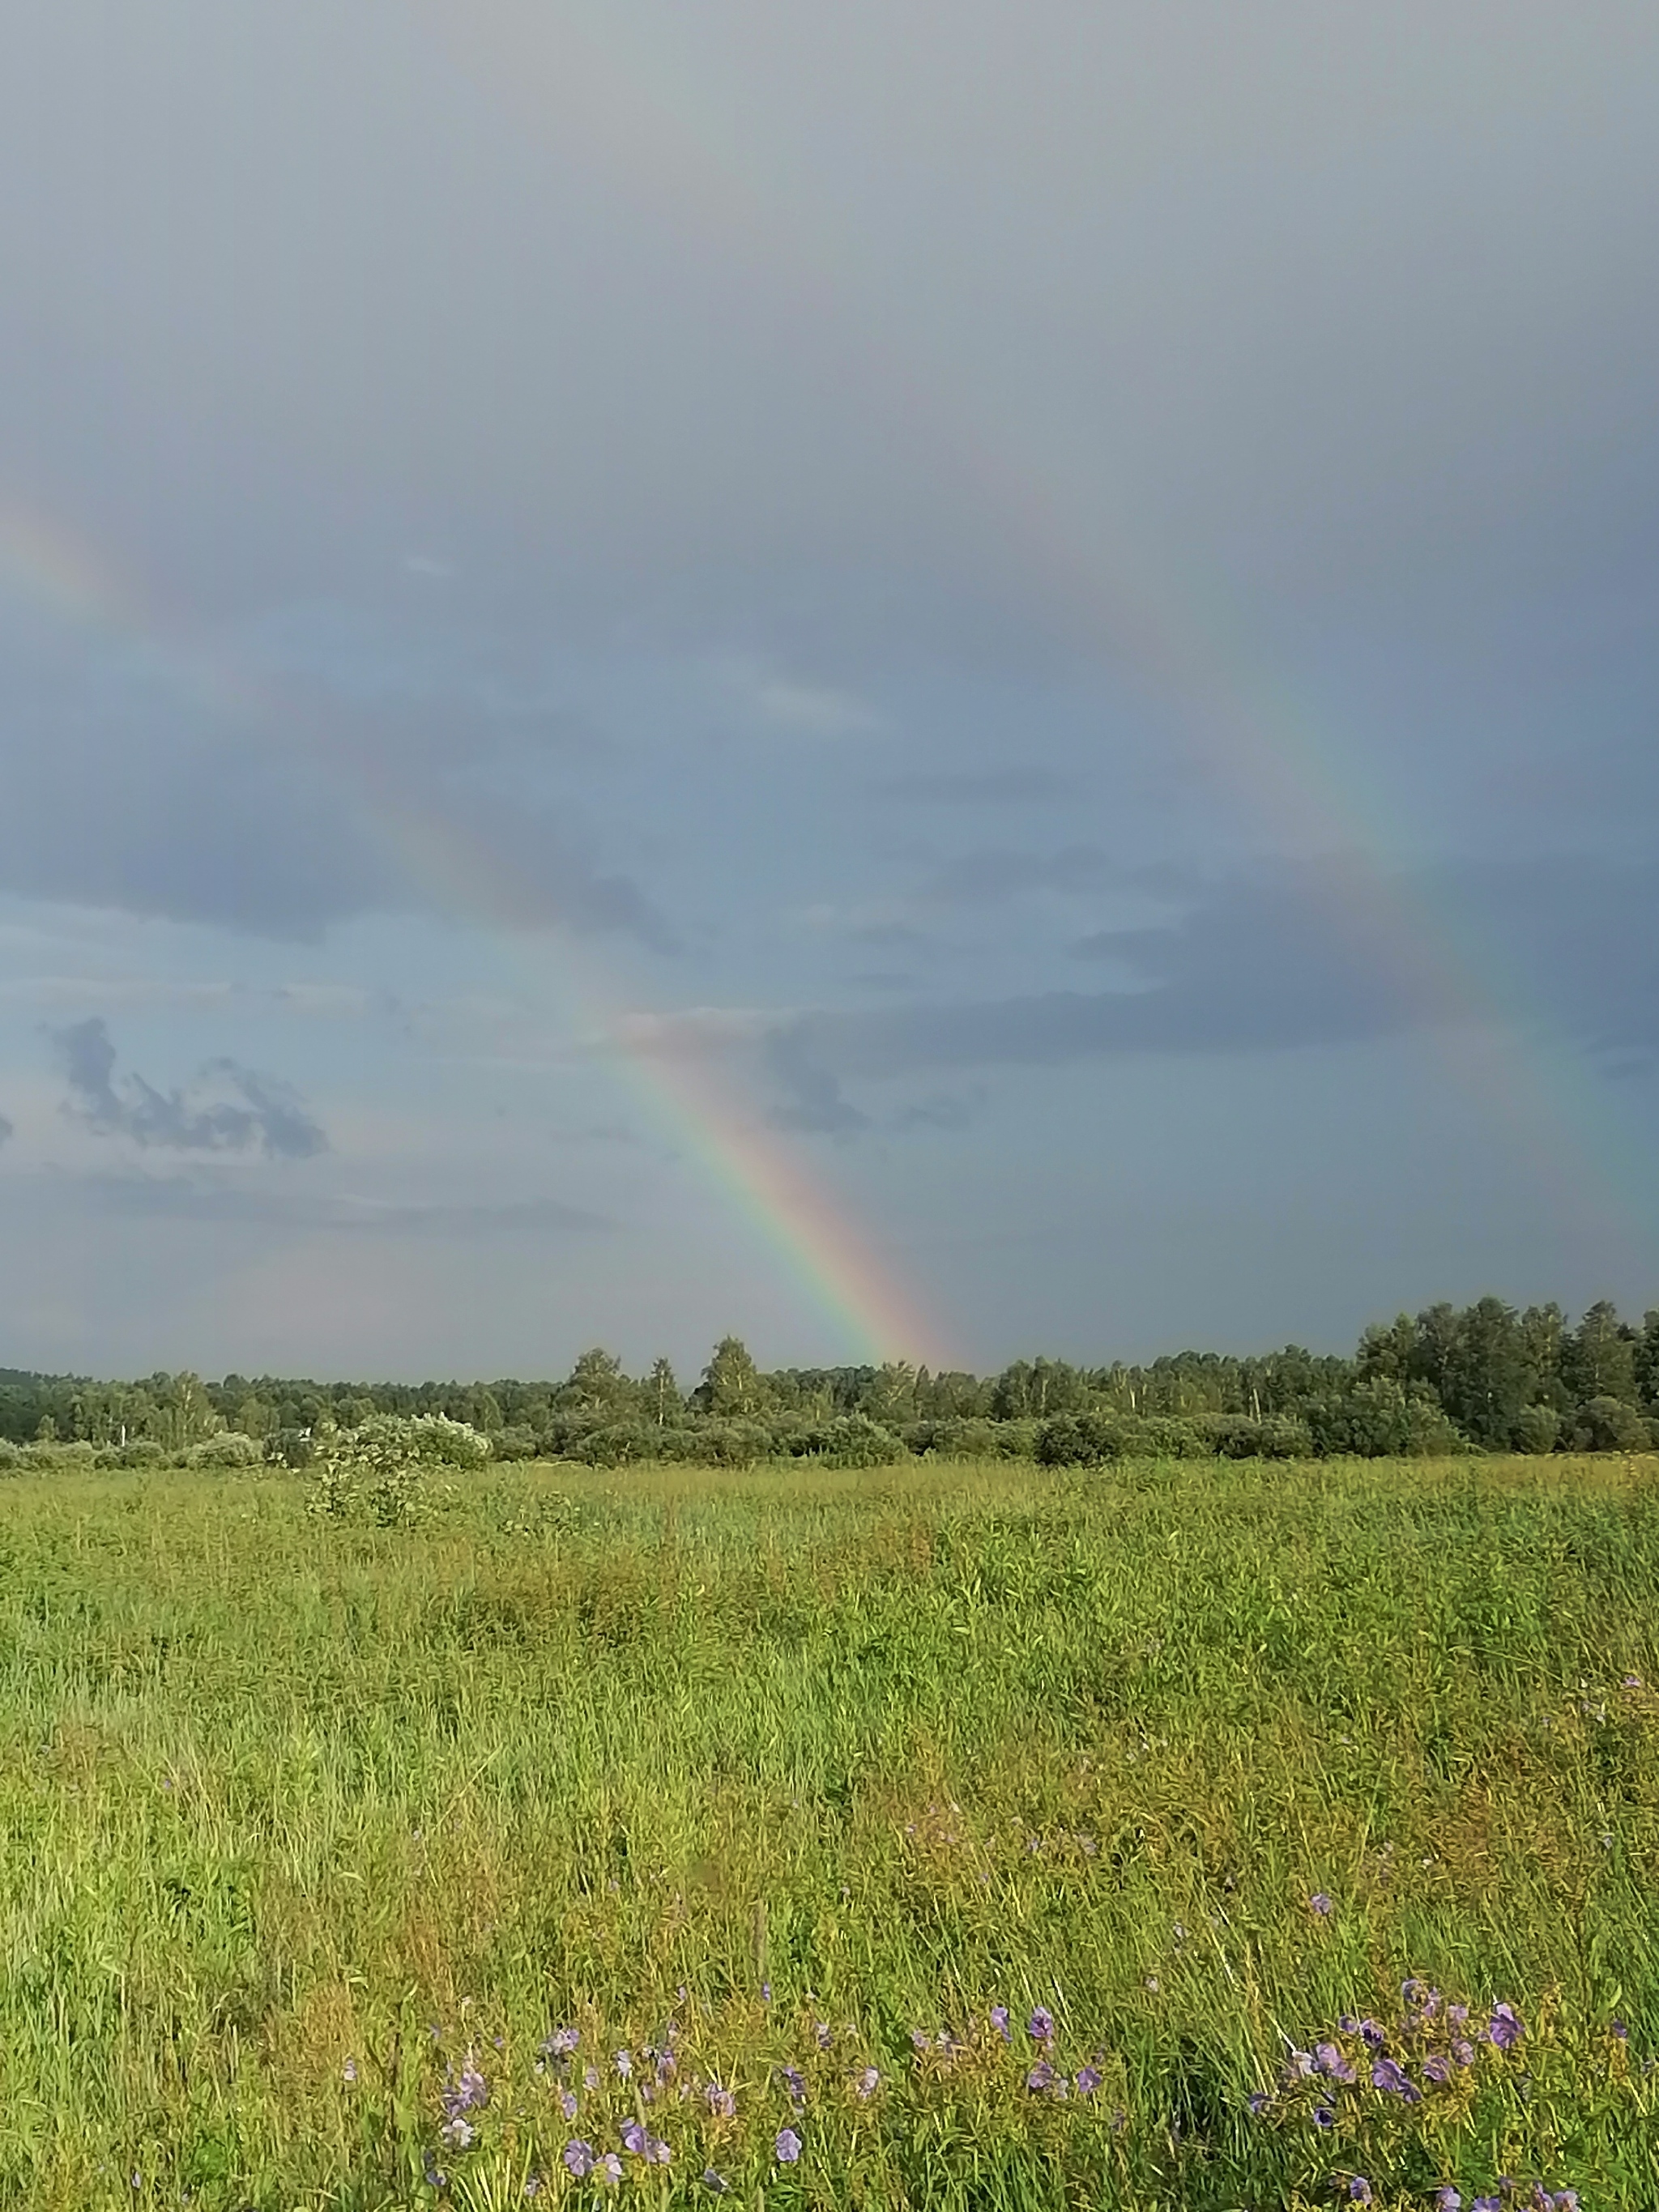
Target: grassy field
column 320, row 1842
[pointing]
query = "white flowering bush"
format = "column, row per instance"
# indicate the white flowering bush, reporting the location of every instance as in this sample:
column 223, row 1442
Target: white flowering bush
column 382, row 1474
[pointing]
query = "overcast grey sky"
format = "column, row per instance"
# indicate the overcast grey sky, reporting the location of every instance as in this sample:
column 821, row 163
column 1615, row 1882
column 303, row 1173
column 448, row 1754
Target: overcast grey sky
column 901, row 677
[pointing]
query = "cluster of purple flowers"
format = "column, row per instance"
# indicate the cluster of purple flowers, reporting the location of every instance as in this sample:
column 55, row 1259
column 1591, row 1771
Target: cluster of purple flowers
column 1434, row 2039
column 1358, row 2190
column 461, row 2093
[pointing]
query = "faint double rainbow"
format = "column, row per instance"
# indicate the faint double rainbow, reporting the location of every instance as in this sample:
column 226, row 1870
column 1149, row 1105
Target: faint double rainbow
column 587, row 76
column 812, row 1232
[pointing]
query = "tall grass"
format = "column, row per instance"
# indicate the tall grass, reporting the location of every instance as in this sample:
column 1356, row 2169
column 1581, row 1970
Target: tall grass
column 284, row 1802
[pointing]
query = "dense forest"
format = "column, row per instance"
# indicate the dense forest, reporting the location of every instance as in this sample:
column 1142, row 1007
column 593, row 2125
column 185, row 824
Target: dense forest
column 1483, row 1378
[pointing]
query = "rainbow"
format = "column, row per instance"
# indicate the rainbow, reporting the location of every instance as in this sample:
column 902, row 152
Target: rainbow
column 625, row 105
column 835, row 1263
column 628, row 103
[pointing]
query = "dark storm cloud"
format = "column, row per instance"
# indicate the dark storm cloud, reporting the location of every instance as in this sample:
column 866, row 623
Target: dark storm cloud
column 1297, row 960
column 260, row 1114
column 814, row 1103
column 289, row 833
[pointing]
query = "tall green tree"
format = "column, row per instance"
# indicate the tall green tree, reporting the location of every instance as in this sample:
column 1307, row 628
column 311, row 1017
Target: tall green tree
column 595, row 1385
column 1598, row 1360
column 662, row 1392
column 732, row 1387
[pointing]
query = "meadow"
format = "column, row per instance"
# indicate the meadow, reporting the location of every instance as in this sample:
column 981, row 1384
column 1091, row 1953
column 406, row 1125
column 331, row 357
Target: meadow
column 1199, row 1835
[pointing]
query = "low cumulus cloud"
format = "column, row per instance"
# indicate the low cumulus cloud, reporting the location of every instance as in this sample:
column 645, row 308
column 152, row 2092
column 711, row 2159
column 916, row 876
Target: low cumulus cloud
column 227, row 1107
column 814, row 1101
column 986, row 879
column 988, row 786
column 192, row 1198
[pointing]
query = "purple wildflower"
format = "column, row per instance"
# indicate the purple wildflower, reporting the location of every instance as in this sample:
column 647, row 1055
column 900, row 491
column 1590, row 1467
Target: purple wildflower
column 562, row 2043
column 1258, row 2101
column 624, row 2064
column 465, row 2092
column 795, row 2082
column 1458, row 2015
column 721, row 2102
column 1299, row 2066
column 533, row 2184
column 1463, row 2051
column 1041, row 2075
column 1320, row 1904
column 1347, row 2025
column 1565, row 2200
column 1437, row 2069
column 1448, row 2200
column 999, row 2020
column 608, row 2168
column 1506, row 2029
column 657, row 2152
column 786, row 2149
column 590, row 2077
column 822, row 2035
column 867, row 2083
column 1487, row 2205
column 1359, row 2190
column 568, row 2104
column 1620, row 2031
column 1041, row 2026
column 717, row 2182
column 1386, row 2074
column 1323, row 2116
column 579, row 2159
column 1332, row 2062
column 1088, row 2080
column 1371, row 2035
column 766, row 1992
column 633, row 2138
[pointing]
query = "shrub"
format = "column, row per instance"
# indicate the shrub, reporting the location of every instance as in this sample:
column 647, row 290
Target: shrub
column 725, row 1443
column 852, row 1440
column 1278, row 1436
column 1609, row 1425
column 1378, row 1420
column 381, row 1472
column 1536, row 1429
column 49, row 1458
column 290, row 1448
column 1084, row 1440
column 619, row 1444
column 229, row 1448
column 423, row 1439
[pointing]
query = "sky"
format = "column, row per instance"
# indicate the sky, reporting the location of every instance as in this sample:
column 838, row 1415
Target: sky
column 917, row 681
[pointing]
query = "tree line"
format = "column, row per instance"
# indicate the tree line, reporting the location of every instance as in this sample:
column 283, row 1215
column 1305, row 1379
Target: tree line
column 1478, row 1378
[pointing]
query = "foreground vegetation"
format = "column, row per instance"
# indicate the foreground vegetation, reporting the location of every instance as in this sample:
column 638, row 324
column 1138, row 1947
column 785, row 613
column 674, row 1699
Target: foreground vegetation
column 970, row 1836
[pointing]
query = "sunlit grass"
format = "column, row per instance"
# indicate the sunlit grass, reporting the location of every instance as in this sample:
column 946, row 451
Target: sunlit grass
column 281, row 1797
